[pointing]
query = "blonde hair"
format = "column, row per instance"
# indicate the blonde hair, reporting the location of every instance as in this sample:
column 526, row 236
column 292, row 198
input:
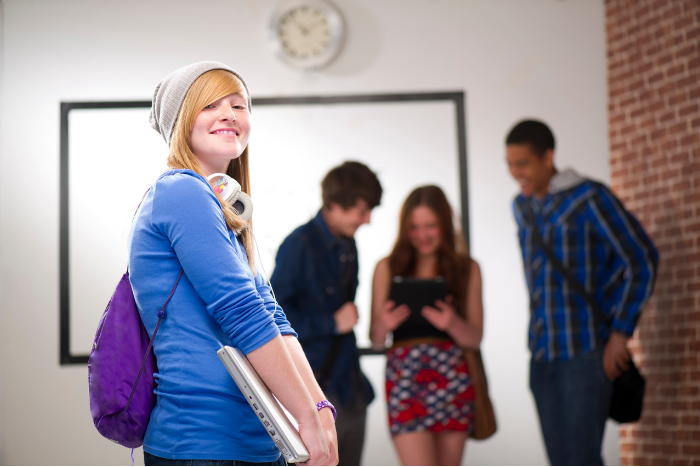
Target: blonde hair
column 209, row 87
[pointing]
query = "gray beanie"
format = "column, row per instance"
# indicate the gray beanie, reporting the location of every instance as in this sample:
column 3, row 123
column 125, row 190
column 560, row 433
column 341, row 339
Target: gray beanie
column 169, row 94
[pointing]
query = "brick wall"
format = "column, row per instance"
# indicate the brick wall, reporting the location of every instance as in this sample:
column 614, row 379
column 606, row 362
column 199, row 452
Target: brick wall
column 654, row 111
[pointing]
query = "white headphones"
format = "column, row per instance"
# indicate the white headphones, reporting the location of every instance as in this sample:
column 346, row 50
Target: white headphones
column 230, row 190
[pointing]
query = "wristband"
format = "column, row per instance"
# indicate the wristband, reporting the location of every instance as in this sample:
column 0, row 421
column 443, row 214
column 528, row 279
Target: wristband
column 324, row 404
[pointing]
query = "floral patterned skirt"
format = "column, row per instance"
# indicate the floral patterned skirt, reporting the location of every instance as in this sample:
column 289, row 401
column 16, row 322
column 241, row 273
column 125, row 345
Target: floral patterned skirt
column 428, row 388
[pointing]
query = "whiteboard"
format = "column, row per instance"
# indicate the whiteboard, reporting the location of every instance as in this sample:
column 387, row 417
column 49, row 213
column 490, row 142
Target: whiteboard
column 110, row 156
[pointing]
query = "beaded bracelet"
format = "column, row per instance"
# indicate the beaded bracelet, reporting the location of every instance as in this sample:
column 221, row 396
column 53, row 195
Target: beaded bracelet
column 325, row 403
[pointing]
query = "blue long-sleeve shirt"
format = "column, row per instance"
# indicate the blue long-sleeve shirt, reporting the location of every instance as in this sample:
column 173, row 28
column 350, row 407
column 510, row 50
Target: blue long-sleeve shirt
column 606, row 249
column 199, row 413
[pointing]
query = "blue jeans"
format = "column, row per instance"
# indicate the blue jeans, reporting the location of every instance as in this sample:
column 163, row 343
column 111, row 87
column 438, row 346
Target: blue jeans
column 573, row 401
column 150, row 459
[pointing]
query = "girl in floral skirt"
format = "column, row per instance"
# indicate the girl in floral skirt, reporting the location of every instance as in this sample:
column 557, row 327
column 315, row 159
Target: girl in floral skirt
column 429, row 392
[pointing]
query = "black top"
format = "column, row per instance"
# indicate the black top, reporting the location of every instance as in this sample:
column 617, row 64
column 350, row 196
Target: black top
column 417, row 293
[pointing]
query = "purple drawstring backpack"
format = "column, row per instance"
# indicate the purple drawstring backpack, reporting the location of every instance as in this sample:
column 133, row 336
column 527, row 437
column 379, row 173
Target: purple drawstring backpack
column 121, row 367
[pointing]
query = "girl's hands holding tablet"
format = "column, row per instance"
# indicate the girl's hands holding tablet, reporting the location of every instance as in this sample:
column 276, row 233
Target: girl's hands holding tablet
column 392, row 316
column 441, row 316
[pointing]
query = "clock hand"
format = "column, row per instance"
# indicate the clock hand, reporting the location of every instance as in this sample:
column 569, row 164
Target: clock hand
column 304, row 31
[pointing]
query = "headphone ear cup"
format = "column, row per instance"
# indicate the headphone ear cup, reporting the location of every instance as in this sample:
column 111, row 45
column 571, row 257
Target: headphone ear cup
column 229, row 189
column 244, row 206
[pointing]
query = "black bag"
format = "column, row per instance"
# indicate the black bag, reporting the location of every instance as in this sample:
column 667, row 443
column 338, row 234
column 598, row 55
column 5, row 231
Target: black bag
column 628, row 388
column 628, row 396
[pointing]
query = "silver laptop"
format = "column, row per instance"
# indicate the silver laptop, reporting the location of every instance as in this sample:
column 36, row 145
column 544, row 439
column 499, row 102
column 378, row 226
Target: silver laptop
column 269, row 411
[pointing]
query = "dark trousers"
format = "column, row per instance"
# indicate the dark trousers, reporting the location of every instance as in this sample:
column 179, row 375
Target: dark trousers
column 150, row 459
column 350, row 427
column 573, row 401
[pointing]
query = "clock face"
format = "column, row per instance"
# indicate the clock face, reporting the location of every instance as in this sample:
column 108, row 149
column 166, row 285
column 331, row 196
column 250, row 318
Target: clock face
column 304, row 32
column 307, row 34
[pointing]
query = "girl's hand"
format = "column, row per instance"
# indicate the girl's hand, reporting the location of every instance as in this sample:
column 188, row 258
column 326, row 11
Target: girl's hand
column 443, row 316
column 321, row 441
column 392, row 316
column 328, row 423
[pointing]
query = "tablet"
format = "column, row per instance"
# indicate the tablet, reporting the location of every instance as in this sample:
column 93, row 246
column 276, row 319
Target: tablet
column 417, row 293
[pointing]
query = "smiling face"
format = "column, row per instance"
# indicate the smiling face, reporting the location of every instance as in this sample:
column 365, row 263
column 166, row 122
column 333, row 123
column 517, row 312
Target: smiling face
column 220, row 132
column 424, row 230
column 532, row 172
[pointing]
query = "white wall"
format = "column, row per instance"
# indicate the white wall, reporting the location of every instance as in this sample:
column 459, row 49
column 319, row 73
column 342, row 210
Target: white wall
column 514, row 59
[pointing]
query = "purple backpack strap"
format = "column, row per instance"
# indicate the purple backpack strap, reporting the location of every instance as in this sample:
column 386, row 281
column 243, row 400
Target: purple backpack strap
column 161, row 314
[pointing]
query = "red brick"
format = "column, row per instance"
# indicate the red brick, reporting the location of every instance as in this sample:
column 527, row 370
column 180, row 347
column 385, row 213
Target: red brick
column 675, row 11
column 683, row 22
column 691, row 450
column 689, row 80
column 691, row 420
column 651, row 448
column 655, row 77
column 669, row 449
column 678, row 98
column 669, row 145
column 675, row 70
column 679, row 405
column 685, row 51
column 693, row 63
column 627, row 102
column 672, row 41
column 657, row 134
column 669, row 420
column 627, row 447
column 692, row 33
column 647, row 180
column 662, row 60
column 693, row 108
column 678, row 127
column 680, row 159
column 641, row 12
column 666, row 116
column 690, row 139
column 689, row 391
column 681, row 435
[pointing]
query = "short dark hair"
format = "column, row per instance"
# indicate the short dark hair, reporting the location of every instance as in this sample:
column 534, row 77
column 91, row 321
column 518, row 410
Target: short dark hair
column 347, row 183
column 532, row 132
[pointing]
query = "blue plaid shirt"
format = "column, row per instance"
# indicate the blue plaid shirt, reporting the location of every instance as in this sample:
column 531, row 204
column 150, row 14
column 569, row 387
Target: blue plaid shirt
column 603, row 246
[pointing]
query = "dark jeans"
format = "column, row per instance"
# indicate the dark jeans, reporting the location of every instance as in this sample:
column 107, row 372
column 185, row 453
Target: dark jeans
column 150, row 459
column 573, row 401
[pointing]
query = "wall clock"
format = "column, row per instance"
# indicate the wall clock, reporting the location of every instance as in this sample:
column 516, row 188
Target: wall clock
column 307, row 34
